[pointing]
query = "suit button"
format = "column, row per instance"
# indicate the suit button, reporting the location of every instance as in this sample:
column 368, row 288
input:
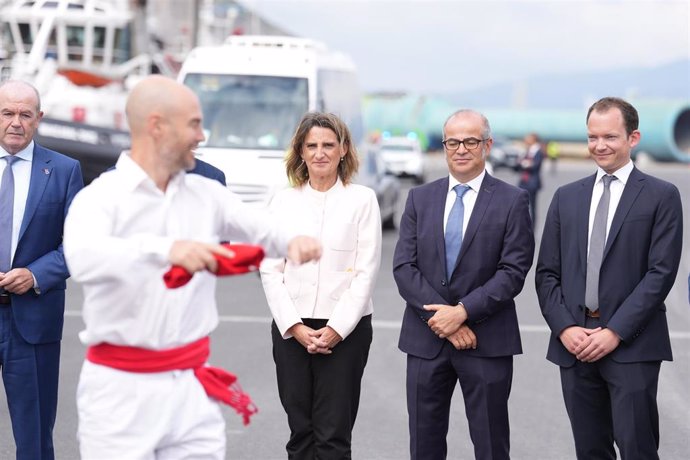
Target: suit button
column 443, row 282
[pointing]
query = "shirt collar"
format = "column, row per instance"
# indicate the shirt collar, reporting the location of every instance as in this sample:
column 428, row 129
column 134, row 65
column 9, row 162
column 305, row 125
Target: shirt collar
column 475, row 184
column 25, row 154
column 136, row 177
column 622, row 173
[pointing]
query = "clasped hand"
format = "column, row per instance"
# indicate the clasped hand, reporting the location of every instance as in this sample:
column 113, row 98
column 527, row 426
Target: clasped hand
column 316, row 341
column 17, row 281
column 589, row 345
column 446, row 320
column 448, row 323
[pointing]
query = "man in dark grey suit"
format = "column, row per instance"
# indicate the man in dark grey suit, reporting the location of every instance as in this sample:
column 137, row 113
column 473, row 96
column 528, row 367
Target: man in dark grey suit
column 609, row 256
column 460, row 322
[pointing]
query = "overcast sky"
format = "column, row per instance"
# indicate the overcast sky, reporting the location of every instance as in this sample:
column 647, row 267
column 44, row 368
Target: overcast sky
column 435, row 46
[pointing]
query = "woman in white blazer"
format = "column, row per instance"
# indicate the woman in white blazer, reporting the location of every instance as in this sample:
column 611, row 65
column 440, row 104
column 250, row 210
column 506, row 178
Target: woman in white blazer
column 322, row 311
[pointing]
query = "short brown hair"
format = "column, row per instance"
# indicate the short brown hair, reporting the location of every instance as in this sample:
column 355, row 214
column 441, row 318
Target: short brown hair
column 630, row 116
column 296, row 169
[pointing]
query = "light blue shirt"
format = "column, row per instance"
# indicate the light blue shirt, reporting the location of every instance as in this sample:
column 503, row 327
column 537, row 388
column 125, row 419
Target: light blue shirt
column 468, row 200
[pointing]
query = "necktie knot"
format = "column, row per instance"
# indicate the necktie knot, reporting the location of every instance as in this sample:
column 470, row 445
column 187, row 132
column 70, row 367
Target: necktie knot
column 460, row 190
column 607, row 179
column 10, row 159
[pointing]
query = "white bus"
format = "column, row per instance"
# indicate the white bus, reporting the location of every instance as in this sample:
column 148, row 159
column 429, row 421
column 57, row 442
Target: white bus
column 253, row 92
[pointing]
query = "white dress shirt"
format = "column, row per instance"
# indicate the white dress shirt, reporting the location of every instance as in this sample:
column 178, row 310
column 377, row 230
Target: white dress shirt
column 468, row 199
column 118, row 234
column 338, row 287
column 22, row 178
column 616, row 189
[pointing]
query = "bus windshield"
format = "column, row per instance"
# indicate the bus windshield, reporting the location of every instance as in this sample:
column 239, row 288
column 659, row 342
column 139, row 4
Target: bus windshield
column 249, row 111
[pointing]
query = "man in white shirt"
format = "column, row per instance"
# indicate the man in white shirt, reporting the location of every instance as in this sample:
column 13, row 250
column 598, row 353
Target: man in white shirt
column 121, row 236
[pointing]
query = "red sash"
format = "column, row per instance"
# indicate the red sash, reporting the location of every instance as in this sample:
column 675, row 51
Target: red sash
column 217, row 382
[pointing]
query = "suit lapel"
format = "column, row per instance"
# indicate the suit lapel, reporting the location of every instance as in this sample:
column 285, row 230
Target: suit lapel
column 582, row 221
column 480, row 206
column 41, row 169
column 438, row 207
column 630, row 192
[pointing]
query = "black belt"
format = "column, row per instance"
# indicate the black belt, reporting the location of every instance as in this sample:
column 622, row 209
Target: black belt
column 5, row 299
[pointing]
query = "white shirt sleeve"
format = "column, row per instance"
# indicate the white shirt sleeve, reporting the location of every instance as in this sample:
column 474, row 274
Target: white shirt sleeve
column 93, row 253
column 279, row 301
column 240, row 222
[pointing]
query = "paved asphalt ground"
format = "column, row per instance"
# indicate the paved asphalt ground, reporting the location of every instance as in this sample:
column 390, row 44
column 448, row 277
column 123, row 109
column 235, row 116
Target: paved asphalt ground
column 540, row 429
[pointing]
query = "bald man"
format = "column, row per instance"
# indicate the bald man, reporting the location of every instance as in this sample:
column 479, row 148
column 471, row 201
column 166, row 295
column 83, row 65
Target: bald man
column 122, row 234
column 36, row 188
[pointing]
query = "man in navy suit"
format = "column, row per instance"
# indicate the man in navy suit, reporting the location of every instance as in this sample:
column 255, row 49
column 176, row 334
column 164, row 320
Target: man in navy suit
column 203, row 169
column 606, row 307
column 460, row 260
column 208, row 170
column 41, row 184
column 529, row 168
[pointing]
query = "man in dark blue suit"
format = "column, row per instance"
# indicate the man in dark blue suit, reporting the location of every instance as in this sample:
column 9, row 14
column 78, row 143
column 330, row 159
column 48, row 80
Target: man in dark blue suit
column 203, row 169
column 529, row 168
column 36, row 190
column 609, row 256
column 460, row 322
column 208, row 170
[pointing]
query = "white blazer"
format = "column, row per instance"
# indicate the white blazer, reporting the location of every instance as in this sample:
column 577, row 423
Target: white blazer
column 338, row 287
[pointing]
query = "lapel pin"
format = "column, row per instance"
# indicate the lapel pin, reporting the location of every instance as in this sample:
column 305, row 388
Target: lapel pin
column 46, row 171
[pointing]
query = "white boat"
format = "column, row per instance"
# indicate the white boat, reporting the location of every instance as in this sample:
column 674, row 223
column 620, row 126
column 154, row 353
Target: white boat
column 83, row 56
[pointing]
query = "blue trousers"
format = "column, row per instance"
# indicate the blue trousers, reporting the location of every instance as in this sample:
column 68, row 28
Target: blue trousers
column 30, row 376
column 609, row 402
column 485, row 385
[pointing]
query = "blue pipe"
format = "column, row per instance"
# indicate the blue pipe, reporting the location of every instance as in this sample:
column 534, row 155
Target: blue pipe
column 665, row 126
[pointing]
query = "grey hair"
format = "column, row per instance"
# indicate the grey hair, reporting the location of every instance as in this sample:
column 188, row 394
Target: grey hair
column 486, row 131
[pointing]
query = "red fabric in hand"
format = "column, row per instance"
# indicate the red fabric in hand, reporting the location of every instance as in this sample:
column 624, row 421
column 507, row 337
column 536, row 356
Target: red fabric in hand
column 247, row 259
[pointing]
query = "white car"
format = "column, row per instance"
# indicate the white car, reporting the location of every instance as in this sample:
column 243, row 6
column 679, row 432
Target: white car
column 403, row 157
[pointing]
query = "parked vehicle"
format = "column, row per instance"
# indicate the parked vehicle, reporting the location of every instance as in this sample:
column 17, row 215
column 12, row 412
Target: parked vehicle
column 372, row 173
column 504, row 154
column 253, row 92
column 403, row 157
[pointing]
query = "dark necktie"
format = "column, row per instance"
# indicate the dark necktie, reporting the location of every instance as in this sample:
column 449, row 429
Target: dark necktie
column 597, row 242
column 453, row 234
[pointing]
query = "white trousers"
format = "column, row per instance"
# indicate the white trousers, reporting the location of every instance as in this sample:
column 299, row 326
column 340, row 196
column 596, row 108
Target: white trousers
column 136, row 416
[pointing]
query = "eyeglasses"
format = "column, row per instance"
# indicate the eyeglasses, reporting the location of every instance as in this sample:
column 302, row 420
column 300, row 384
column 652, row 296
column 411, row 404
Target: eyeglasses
column 470, row 143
